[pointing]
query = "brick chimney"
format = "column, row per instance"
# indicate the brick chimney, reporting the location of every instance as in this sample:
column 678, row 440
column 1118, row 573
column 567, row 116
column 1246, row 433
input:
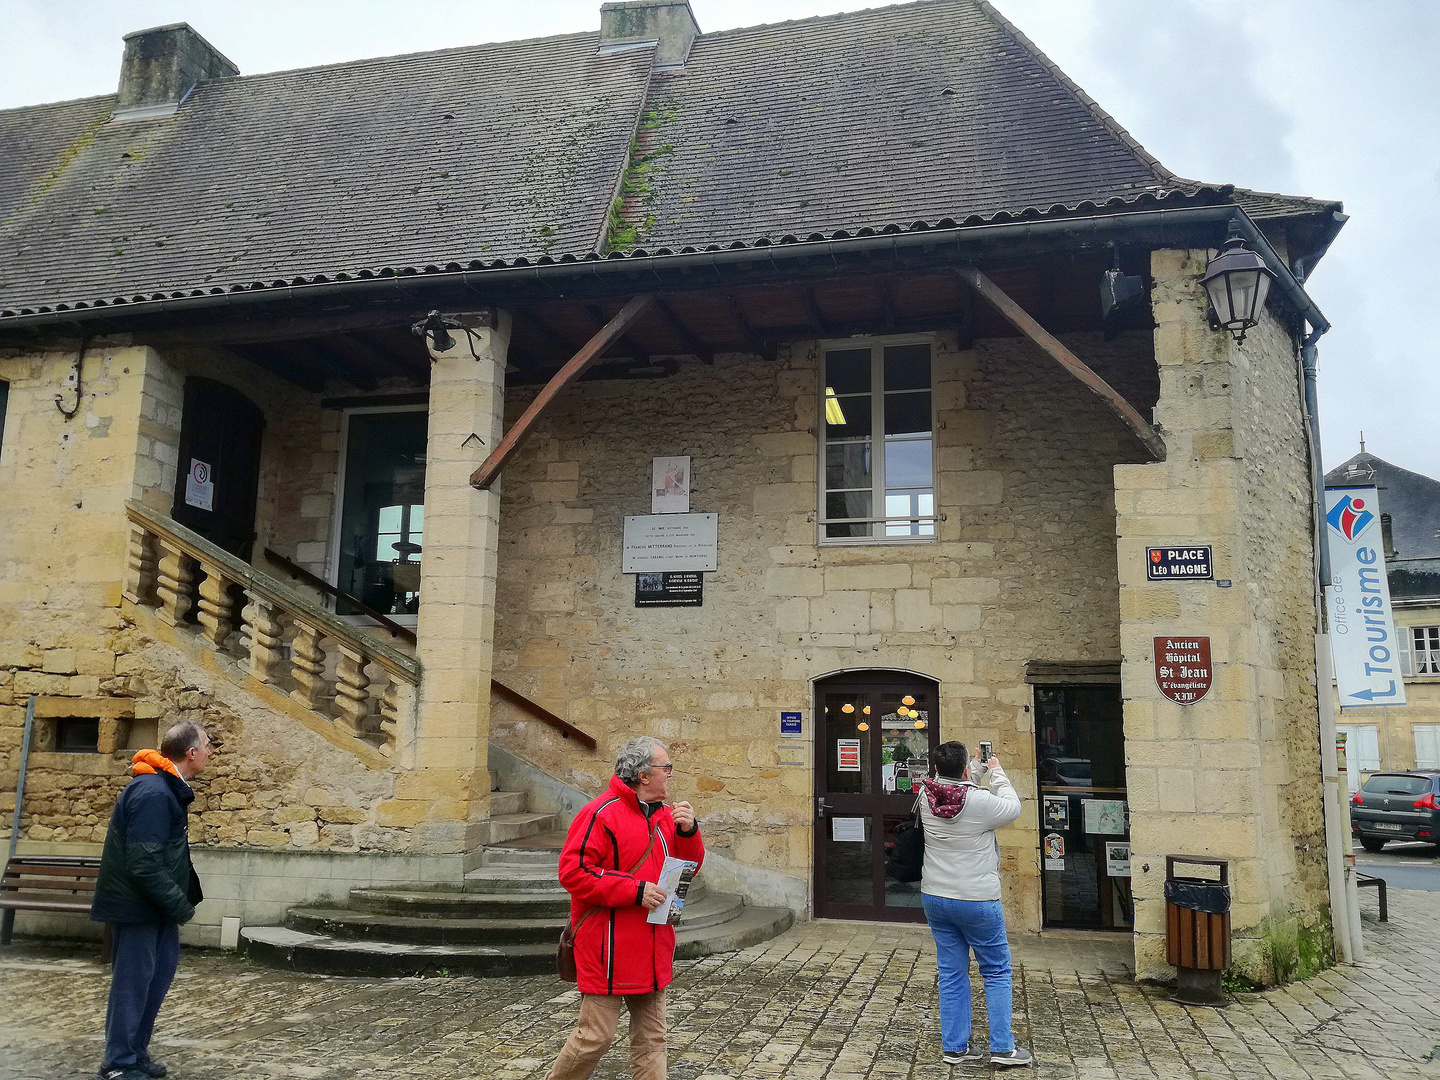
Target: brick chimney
column 668, row 23
column 161, row 66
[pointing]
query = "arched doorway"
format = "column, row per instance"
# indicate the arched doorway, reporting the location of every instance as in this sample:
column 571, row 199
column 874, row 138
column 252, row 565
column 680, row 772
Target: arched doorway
column 875, row 731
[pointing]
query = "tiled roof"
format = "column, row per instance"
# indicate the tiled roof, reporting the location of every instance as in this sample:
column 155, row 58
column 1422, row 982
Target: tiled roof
column 511, row 150
column 931, row 113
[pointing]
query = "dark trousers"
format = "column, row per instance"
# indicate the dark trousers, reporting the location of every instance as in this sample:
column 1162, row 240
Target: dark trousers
column 145, row 958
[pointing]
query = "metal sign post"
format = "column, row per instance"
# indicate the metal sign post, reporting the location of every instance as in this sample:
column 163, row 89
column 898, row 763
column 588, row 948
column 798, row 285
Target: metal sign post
column 20, row 782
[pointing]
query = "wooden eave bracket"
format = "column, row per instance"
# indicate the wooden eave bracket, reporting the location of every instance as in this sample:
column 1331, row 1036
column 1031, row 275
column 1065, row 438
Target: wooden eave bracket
column 1021, row 320
column 591, row 351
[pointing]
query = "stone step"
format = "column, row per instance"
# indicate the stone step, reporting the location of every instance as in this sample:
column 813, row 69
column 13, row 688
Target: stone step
column 514, row 826
column 367, row 926
column 452, row 904
column 507, row 802
column 507, row 879
column 538, row 849
column 299, row 950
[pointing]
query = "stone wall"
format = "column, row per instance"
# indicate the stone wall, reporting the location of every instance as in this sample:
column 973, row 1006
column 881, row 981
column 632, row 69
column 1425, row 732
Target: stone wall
column 1235, row 775
column 1023, row 569
column 65, row 635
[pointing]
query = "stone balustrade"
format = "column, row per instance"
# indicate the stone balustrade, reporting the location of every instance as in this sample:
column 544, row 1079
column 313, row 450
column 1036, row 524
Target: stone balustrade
column 270, row 632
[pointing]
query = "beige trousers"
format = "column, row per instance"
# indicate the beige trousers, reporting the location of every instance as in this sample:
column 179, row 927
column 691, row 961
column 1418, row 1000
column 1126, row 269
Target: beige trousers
column 599, row 1017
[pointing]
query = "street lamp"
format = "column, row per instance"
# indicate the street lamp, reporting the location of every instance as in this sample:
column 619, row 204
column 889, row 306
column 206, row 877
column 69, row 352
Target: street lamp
column 1237, row 281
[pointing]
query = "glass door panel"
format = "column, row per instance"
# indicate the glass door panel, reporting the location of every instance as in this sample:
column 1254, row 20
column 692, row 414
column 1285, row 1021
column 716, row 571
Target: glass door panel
column 382, row 517
column 1085, row 819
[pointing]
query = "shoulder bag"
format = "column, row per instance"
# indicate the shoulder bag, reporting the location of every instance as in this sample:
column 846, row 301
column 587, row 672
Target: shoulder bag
column 565, row 952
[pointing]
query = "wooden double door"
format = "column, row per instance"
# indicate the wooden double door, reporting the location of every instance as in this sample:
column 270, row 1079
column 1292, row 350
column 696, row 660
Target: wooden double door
column 875, row 732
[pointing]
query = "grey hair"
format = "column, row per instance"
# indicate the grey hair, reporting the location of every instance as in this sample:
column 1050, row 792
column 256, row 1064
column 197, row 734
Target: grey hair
column 181, row 739
column 635, row 757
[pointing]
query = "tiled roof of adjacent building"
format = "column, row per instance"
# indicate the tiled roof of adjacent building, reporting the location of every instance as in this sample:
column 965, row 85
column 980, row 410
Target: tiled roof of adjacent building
column 930, row 113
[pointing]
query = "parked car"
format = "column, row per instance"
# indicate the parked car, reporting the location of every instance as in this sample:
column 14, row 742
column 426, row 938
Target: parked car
column 1396, row 806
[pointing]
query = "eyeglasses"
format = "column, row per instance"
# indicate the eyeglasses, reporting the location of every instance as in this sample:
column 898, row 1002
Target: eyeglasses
column 669, row 769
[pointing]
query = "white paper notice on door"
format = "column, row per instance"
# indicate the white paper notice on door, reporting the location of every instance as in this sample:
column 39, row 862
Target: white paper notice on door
column 848, row 829
column 199, row 486
column 847, row 753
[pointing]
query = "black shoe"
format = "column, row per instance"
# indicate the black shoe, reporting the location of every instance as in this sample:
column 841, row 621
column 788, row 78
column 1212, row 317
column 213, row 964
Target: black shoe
column 151, row 1067
column 1013, row 1058
column 134, row 1072
column 971, row 1055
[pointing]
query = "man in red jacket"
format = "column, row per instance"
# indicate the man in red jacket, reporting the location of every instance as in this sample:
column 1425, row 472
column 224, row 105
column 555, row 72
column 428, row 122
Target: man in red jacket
column 610, row 865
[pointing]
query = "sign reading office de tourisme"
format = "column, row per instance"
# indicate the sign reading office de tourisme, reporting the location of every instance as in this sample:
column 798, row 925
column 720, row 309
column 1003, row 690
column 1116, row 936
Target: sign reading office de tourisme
column 1362, row 629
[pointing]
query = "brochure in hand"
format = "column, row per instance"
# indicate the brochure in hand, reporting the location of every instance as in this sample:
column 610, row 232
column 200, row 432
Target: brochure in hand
column 675, row 878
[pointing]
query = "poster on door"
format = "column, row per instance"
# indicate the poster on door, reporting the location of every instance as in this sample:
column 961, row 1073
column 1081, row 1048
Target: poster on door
column 1117, row 860
column 199, row 486
column 847, row 752
column 1054, row 851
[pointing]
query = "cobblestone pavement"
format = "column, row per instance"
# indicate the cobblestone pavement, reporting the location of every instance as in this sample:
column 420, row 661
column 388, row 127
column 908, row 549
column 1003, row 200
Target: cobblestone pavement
column 836, row 1000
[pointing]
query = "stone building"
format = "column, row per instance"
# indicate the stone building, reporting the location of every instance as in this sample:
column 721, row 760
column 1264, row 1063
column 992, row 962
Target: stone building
column 919, row 322
column 1402, row 736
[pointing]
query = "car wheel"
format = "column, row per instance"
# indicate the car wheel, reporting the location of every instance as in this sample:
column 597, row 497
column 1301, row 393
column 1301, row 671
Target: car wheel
column 1371, row 844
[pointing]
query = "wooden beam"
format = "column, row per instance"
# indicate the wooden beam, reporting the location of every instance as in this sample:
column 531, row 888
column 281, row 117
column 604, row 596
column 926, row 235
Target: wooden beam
column 280, row 367
column 752, row 340
column 386, row 359
column 817, row 320
column 588, row 354
column 691, row 342
column 543, row 328
column 887, row 303
column 638, row 351
column 282, row 328
column 313, row 353
column 1022, row 321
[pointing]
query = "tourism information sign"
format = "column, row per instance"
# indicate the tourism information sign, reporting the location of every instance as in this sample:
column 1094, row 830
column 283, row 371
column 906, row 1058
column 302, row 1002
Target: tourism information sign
column 1362, row 629
column 1182, row 668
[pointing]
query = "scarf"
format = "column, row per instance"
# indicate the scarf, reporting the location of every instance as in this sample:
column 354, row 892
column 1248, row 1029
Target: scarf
column 946, row 800
column 152, row 761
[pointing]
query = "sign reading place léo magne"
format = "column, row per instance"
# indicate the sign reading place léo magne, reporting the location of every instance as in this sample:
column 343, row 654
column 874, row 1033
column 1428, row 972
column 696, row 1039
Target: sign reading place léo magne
column 1182, row 668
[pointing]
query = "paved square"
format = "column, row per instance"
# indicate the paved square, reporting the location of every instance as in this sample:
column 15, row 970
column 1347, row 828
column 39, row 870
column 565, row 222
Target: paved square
column 833, row 1000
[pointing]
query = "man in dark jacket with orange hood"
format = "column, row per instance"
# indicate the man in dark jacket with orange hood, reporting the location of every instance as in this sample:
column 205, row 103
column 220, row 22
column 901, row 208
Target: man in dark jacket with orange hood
column 146, row 889
column 610, row 864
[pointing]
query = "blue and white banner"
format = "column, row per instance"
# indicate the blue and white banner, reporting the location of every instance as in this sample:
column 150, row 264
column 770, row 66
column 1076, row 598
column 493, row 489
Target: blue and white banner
column 1362, row 629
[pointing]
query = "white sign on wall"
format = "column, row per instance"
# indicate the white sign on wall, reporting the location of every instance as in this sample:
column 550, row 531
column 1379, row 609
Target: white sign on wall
column 1362, row 630
column 199, row 486
column 670, row 485
column 659, row 542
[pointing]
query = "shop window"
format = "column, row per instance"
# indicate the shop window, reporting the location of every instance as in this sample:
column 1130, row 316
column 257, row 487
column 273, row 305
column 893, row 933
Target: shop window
column 877, row 443
column 77, row 735
column 382, row 512
column 1420, row 650
column 1362, row 747
column 1427, row 746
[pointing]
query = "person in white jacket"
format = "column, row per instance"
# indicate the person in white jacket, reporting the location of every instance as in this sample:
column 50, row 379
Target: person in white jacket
column 960, row 888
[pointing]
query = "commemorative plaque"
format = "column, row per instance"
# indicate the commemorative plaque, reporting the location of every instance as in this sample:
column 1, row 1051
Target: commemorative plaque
column 1182, row 668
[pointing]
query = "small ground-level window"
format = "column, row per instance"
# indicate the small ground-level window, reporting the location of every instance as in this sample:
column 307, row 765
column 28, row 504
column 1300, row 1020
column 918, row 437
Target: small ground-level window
column 877, row 446
column 1427, row 745
column 77, row 735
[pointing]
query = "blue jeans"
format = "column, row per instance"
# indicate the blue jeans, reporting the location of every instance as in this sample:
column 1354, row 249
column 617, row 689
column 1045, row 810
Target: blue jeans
column 145, row 956
column 958, row 927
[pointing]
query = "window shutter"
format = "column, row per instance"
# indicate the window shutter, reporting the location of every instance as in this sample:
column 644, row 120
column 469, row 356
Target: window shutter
column 1403, row 634
column 1367, row 748
column 1427, row 746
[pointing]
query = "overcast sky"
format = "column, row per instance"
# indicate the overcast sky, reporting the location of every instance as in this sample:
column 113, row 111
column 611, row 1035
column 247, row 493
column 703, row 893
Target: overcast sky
column 1338, row 99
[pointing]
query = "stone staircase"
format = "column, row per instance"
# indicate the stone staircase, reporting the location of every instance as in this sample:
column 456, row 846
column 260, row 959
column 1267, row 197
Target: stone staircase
column 504, row 921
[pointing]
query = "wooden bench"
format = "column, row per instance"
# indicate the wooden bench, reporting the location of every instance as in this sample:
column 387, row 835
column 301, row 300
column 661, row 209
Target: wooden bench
column 63, row 883
column 1369, row 881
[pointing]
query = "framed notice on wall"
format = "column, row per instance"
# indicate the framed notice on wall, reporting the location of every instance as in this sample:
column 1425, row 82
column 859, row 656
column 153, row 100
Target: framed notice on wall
column 656, row 543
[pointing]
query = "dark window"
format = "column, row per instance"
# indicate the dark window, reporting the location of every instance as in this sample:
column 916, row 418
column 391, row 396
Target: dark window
column 1386, row 784
column 382, row 520
column 77, row 735
column 4, row 402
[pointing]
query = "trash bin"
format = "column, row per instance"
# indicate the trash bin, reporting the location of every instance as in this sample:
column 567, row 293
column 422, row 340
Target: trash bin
column 1197, row 930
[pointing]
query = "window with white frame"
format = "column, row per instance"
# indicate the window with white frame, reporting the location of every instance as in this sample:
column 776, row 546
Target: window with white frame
column 877, row 447
column 1362, row 747
column 1420, row 650
column 1427, row 745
